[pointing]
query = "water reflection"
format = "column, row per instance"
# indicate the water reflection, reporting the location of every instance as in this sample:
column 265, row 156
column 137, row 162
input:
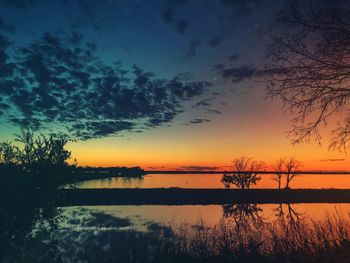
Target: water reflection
column 25, row 233
column 138, row 234
column 338, row 181
column 285, row 212
column 249, row 237
column 241, row 213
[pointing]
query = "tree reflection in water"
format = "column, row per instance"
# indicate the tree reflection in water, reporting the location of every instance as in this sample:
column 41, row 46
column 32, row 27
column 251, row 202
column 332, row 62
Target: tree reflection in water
column 241, row 213
column 288, row 214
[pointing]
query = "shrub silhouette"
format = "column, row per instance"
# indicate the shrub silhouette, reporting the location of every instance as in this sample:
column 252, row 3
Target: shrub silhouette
column 35, row 163
column 32, row 169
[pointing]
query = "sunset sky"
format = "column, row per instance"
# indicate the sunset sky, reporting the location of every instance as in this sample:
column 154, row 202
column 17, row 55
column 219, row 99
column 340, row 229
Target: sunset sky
column 161, row 84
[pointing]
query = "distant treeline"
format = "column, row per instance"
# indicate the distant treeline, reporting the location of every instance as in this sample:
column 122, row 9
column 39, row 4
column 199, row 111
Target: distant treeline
column 92, row 173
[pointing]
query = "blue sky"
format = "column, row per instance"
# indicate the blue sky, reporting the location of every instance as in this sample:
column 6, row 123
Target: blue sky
column 184, row 39
column 175, row 74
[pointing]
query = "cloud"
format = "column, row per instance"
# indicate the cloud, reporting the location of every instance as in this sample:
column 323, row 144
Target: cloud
column 241, row 73
column 204, row 102
column 333, row 160
column 155, row 167
column 199, row 121
column 214, row 42
column 240, row 7
column 89, row 12
column 180, row 25
column 237, row 74
column 5, row 68
column 214, row 111
column 198, row 168
column 75, row 38
column 192, row 49
column 5, row 27
column 233, row 57
column 168, row 16
column 218, row 67
column 56, row 83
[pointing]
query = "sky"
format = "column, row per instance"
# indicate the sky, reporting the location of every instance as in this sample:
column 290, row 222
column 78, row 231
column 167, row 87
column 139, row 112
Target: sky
column 161, row 84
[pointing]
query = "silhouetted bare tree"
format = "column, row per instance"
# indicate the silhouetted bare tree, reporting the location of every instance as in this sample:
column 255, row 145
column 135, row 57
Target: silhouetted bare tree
column 245, row 173
column 310, row 68
column 291, row 167
column 278, row 168
column 287, row 168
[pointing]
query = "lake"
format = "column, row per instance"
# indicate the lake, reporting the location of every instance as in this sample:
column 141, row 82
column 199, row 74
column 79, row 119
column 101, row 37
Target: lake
column 153, row 233
column 318, row 181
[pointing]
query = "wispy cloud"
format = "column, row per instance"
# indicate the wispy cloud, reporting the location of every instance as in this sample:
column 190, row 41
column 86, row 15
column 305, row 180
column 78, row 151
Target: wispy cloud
column 198, row 168
column 199, row 120
column 333, row 160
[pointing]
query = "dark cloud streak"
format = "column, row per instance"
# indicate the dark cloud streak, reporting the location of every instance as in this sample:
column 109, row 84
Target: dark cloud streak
column 199, row 121
column 241, row 73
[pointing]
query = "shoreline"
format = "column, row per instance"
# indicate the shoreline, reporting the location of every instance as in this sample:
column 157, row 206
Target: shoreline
column 182, row 196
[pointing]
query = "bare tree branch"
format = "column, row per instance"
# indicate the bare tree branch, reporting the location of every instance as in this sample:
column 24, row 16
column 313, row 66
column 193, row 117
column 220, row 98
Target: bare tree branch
column 311, row 62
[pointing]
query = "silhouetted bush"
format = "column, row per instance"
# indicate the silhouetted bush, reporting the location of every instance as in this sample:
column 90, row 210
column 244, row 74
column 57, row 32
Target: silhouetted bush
column 34, row 163
column 245, row 173
column 32, row 169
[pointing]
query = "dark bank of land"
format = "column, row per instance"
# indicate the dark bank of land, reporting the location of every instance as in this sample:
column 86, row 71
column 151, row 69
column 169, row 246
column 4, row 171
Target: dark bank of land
column 93, row 173
column 178, row 196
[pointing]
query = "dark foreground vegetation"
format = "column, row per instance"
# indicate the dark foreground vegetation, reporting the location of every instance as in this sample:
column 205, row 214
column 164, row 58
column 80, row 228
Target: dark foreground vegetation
column 248, row 240
column 40, row 165
column 33, row 168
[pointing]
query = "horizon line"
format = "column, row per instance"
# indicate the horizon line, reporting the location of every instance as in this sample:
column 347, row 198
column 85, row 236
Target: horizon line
column 228, row 171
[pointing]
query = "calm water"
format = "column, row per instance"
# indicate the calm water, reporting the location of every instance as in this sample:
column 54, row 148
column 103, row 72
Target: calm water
column 103, row 233
column 140, row 216
column 126, row 233
column 341, row 181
